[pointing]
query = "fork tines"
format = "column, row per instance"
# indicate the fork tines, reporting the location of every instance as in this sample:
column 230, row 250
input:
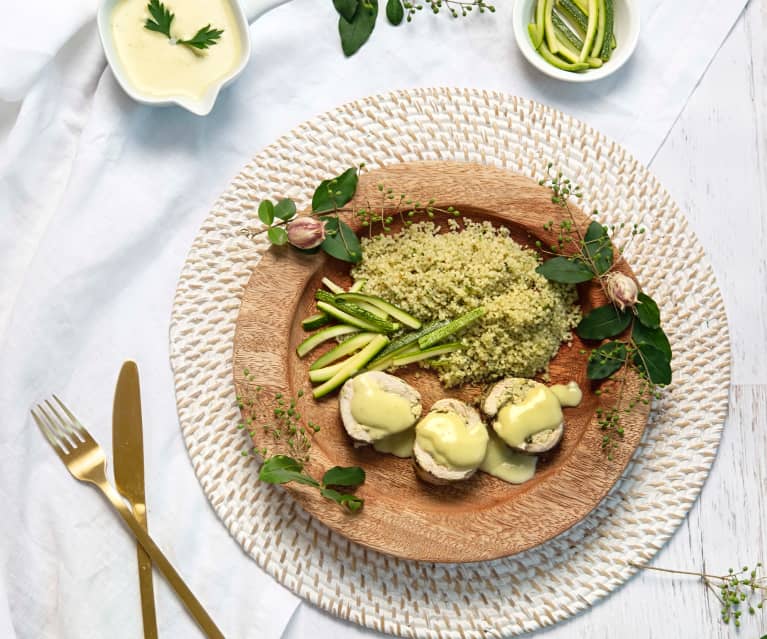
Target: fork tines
column 63, row 433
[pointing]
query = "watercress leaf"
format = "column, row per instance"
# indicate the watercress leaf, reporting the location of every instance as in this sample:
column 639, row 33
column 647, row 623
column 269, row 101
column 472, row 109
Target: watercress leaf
column 651, row 337
column 340, row 476
column 285, row 209
column 565, row 270
column 602, row 322
column 598, row 247
column 605, row 360
column 347, row 8
column 281, row 469
column 654, row 362
column 395, row 13
column 277, row 235
column 335, row 192
column 352, row 502
column 340, row 241
column 266, row 212
column 355, row 32
column 647, row 311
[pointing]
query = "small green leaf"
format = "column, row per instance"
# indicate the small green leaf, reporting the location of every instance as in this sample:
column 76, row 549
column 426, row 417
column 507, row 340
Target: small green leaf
column 281, row 469
column 285, row 209
column 605, row 360
column 277, row 235
column 602, row 322
column 648, row 311
column 651, row 337
column 161, row 19
column 339, row 476
column 654, row 362
column 395, row 13
column 598, row 247
column 565, row 270
column 340, row 241
column 266, row 212
column 347, row 8
column 352, row 502
column 355, row 32
column 205, row 38
column 334, row 193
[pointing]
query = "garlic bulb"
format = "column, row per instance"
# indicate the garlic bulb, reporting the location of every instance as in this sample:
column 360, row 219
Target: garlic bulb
column 306, row 232
column 622, row 290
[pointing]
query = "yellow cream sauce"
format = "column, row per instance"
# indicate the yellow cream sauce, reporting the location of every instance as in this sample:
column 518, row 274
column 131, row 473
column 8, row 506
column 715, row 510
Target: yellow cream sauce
column 502, row 462
column 451, row 441
column 157, row 66
column 381, row 412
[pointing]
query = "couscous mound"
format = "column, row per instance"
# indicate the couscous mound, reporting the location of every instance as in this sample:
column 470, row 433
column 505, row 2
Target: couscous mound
column 440, row 276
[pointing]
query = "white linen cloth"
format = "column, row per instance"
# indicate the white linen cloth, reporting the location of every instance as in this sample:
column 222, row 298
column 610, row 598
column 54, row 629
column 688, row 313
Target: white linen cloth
column 100, row 199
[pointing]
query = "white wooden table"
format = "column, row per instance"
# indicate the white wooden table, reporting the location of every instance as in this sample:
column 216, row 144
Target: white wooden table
column 714, row 164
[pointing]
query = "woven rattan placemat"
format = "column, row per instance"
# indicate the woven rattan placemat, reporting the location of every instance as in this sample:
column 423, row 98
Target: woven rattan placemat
column 490, row 599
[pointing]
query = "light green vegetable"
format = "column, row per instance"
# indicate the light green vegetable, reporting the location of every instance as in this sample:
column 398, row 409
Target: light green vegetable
column 548, row 26
column 596, row 50
column 560, row 63
column 321, row 336
column 351, row 366
column 607, row 49
column 591, row 31
column 346, row 347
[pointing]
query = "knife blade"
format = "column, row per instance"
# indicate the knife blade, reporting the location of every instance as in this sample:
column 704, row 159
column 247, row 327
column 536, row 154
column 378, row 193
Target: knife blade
column 128, row 454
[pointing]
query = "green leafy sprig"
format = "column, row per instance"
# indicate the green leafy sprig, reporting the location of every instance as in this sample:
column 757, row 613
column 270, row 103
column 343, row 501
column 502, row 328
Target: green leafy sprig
column 738, row 590
column 280, row 469
column 631, row 337
column 357, row 18
column 329, row 205
column 288, row 433
column 161, row 20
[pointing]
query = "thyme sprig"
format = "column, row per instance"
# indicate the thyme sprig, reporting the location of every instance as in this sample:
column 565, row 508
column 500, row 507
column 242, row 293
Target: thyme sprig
column 329, row 204
column 286, row 429
column 357, row 18
column 628, row 327
column 456, row 8
column 738, row 590
column 161, row 18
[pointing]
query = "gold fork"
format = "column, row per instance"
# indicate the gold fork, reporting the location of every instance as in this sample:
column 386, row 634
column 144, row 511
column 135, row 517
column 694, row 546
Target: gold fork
column 86, row 461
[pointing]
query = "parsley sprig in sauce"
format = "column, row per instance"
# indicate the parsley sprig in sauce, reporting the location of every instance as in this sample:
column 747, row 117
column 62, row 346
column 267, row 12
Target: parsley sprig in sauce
column 162, row 18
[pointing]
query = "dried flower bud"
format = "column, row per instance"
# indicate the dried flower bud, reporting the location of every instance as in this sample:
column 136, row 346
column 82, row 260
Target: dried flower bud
column 306, row 232
column 621, row 290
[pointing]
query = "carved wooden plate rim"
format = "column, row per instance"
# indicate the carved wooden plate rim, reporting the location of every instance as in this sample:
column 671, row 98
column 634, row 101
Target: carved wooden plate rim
column 405, row 517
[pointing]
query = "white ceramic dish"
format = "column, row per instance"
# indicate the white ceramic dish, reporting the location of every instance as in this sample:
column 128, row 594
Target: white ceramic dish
column 626, row 34
column 245, row 12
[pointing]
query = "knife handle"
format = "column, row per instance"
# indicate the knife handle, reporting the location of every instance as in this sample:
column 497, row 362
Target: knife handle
column 165, row 567
column 145, row 581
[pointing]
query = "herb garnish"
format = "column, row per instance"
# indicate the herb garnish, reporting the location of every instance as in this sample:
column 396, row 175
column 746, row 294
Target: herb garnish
column 357, row 18
column 329, row 205
column 580, row 257
column 290, row 435
column 162, row 18
column 745, row 588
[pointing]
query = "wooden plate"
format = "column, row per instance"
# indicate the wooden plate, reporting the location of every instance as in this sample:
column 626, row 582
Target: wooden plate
column 479, row 519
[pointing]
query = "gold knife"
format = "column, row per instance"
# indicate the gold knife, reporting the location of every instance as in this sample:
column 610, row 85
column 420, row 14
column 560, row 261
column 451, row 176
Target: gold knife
column 128, row 453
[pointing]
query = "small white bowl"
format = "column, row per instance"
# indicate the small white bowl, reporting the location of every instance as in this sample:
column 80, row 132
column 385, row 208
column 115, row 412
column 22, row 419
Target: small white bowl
column 245, row 11
column 626, row 34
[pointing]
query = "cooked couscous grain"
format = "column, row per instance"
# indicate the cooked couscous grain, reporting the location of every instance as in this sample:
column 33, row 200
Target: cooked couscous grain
column 438, row 276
